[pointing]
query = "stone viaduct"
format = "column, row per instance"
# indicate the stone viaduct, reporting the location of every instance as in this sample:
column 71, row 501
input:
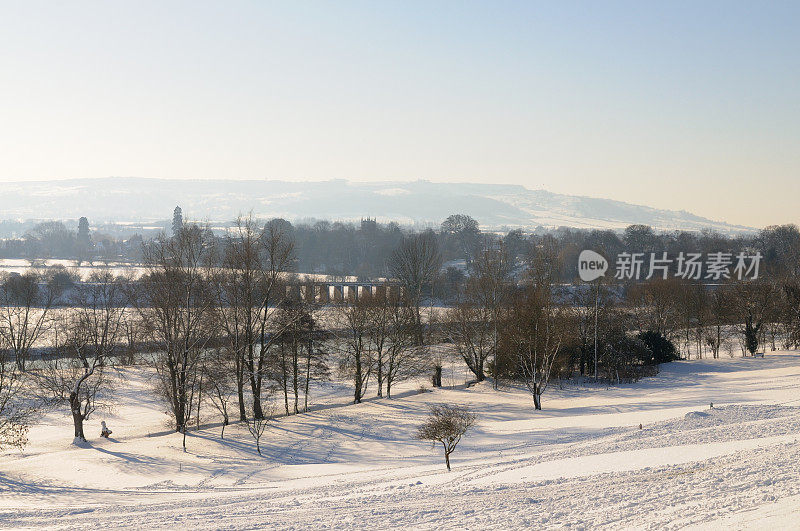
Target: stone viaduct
column 328, row 291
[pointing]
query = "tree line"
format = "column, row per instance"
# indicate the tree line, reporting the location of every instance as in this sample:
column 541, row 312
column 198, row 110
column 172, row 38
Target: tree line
column 364, row 249
column 222, row 331
column 214, row 319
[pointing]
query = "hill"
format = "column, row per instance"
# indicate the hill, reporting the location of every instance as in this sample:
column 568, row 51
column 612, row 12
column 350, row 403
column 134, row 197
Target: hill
column 130, row 199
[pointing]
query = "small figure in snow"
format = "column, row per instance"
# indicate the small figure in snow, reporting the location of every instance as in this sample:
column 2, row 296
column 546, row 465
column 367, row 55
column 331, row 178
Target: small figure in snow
column 711, row 406
column 104, row 431
column 640, row 426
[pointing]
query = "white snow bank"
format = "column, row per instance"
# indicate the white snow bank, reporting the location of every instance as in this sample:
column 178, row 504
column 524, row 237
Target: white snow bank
column 582, row 462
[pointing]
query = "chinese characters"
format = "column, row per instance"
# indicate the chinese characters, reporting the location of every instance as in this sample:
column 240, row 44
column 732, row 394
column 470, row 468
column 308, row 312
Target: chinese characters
column 716, row 266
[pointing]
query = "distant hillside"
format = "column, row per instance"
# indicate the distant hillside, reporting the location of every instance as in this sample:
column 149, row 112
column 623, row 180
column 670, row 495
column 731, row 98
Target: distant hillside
column 493, row 205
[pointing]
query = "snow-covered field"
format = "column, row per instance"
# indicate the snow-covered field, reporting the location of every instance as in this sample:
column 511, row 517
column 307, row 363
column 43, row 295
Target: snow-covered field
column 134, row 270
column 581, row 463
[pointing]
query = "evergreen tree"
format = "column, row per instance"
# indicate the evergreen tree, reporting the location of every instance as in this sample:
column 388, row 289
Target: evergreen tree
column 662, row 349
column 83, row 241
column 83, row 230
column 177, row 220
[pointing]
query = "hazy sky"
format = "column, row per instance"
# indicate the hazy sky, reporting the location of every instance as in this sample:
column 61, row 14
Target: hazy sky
column 680, row 105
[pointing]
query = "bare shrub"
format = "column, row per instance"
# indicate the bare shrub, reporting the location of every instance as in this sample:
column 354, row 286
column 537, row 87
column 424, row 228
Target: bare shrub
column 446, row 424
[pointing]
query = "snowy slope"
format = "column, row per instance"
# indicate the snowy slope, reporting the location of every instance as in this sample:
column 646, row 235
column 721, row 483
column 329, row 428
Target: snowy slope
column 582, row 462
column 493, row 205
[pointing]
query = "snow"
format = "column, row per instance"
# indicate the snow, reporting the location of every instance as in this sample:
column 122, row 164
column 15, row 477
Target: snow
column 84, row 271
column 135, row 270
column 145, row 201
column 582, row 462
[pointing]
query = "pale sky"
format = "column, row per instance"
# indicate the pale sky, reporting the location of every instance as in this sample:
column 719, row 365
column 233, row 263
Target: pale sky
column 679, row 105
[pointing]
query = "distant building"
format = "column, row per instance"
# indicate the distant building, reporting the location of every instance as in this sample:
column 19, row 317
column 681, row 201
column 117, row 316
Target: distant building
column 369, row 225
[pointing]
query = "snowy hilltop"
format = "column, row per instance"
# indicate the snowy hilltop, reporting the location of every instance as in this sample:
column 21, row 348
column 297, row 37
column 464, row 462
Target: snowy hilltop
column 493, row 205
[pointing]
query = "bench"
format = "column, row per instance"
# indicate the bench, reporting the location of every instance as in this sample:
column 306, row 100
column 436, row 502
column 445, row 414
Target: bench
column 758, row 355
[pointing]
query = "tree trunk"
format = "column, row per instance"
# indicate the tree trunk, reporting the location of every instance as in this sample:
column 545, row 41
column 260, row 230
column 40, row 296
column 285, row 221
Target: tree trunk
column 257, row 411
column 180, row 413
column 305, row 390
column 286, row 395
column 296, row 379
column 358, row 383
column 447, row 460
column 77, row 416
column 255, row 381
column 380, row 376
column 357, row 391
column 285, row 382
column 240, row 390
column 199, row 401
column 537, row 401
column 437, row 376
column 308, row 377
column 242, row 408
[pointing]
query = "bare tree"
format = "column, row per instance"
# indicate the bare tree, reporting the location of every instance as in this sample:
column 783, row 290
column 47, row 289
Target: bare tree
column 791, row 310
column 239, row 299
column 654, row 305
column 687, row 310
column 278, row 258
column 700, row 312
column 591, row 309
column 754, row 305
column 258, row 425
column 379, row 335
column 490, row 288
column 353, row 326
column 298, row 359
column 91, row 335
column 177, row 306
column 535, row 331
column 446, row 424
column 402, row 358
column 315, row 360
column 220, row 379
column 392, row 340
column 781, row 245
column 15, row 410
column 416, row 263
column 249, row 289
column 474, row 335
column 25, row 304
column 719, row 314
column 463, row 232
column 132, row 331
column 77, row 378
